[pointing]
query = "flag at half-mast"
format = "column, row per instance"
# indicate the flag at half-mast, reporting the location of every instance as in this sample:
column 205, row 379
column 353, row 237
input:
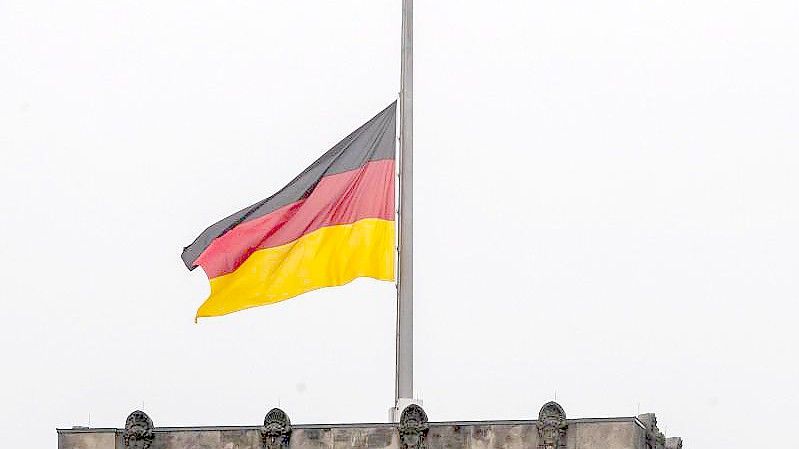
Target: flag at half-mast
column 331, row 224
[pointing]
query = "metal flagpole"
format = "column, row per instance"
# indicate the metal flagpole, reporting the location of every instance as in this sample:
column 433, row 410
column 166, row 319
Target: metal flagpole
column 404, row 369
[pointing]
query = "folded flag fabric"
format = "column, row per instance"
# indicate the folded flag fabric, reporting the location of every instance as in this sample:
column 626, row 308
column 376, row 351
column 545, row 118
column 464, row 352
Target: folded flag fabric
column 331, row 224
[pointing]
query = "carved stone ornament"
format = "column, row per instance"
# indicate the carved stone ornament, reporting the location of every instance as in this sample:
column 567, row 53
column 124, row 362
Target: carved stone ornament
column 413, row 428
column 276, row 430
column 551, row 426
column 653, row 437
column 138, row 432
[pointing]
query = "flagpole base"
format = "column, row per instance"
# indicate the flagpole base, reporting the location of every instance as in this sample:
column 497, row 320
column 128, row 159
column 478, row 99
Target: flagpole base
column 395, row 412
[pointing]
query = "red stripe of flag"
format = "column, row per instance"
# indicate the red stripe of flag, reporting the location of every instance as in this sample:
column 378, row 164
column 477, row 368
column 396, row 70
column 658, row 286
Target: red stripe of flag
column 343, row 198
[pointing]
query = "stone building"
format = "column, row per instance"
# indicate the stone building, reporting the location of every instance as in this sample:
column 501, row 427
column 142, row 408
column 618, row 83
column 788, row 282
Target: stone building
column 552, row 430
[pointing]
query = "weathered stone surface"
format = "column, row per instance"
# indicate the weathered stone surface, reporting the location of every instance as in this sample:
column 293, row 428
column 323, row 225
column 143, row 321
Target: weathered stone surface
column 313, row 438
column 239, row 439
column 189, row 440
column 100, row 439
column 603, row 434
column 380, row 438
column 621, row 433
column 448, row 437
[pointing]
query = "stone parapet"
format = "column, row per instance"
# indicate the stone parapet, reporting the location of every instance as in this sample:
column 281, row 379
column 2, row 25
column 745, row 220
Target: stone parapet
column 552, row 430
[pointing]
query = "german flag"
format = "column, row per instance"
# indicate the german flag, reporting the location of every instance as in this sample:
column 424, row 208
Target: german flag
column 331, row 224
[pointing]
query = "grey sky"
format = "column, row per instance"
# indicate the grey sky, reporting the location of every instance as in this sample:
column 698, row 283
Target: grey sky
column 606, row 207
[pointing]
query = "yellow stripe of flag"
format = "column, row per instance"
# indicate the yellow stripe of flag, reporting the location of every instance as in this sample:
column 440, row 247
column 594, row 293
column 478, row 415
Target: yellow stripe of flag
column 327, row 257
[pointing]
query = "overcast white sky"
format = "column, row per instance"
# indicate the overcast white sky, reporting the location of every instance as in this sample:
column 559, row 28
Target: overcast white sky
column 606, row 207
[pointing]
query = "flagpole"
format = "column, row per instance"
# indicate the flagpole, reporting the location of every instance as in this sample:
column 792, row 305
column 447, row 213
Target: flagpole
column 404, row 351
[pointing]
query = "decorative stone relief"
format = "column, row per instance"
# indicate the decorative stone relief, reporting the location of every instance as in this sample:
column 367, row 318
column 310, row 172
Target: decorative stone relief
column 276, row 431
column 653, row 437
column 413, row 428
column 138, row 432
column 552, row 426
